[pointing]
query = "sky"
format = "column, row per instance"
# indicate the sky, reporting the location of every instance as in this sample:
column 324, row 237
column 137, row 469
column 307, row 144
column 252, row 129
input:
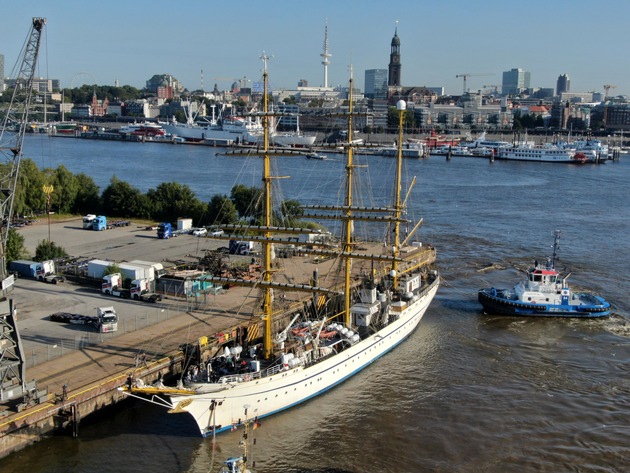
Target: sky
column 203, row 42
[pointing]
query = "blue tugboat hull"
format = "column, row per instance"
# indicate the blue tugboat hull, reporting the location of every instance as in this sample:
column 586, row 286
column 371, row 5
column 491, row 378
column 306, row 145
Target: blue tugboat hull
column 494, row 304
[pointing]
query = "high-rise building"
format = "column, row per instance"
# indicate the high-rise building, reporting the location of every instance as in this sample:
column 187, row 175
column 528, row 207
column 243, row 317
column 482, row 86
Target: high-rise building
column 394, row 62
column 563, row 84
column 376, row 83
column 515, row 81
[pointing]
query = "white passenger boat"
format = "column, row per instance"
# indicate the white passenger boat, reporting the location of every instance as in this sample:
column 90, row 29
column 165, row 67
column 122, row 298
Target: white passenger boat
column 544, row 154
column 335, row 333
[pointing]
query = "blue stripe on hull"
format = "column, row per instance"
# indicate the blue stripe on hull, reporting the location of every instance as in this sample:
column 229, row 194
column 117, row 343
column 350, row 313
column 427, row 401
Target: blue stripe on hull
column 497, row 306
column 336, row 383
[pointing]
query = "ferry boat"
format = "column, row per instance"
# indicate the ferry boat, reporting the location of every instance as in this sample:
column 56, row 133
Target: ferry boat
column 452, row 151
column 590, row 147
column 543, row 294
column 142, row 129
column 338, row 330
column 410, row 149
column 544, row 154
column 65, row 128
column 483, row 142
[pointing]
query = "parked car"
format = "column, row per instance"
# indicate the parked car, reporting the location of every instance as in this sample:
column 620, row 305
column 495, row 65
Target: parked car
column 200, row 232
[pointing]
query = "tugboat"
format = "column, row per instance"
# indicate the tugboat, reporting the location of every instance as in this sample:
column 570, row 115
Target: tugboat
column 543, row 294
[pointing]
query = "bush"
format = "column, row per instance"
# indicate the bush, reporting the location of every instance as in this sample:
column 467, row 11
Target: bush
column 48, row 250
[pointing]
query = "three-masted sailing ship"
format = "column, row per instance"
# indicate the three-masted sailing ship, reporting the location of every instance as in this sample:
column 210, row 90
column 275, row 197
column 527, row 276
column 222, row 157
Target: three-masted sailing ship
column 340, row 330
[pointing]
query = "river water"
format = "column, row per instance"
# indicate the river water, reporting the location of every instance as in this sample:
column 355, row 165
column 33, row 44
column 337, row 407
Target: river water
column 466, row 392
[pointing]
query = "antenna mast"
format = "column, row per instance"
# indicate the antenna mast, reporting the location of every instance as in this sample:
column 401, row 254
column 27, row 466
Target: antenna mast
column 326, row 55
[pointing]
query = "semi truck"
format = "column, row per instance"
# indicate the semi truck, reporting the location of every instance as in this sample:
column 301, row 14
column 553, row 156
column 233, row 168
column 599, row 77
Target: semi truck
column 42, row 270
column 164, row 231
column 105, row 320
column 88, row 221
column 99, row 223
column 138, row 290
column 113, row 286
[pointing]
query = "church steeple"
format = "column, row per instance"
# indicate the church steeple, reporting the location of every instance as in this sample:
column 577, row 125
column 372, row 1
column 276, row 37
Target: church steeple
column 394, row 61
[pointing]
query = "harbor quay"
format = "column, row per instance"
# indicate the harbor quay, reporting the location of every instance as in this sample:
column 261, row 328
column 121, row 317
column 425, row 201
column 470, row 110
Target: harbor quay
column 79, row 371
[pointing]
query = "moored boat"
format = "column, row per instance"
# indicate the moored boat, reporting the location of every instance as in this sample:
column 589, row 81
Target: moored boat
column 228, row 130
column 449, row 150
column 545, row 154
column 544, row 293
column 142, row 129
column 410, row 149
column 336, row 332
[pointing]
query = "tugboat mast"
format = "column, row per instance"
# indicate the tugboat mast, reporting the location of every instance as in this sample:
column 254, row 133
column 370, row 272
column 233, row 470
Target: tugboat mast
column 556, row 247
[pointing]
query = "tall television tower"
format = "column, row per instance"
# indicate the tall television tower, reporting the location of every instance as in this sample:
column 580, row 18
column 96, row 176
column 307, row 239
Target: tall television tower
column 326, row 55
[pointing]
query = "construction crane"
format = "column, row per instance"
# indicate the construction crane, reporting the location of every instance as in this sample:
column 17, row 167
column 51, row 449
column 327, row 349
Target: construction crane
column 12, row 367
column 467, row 75
column 496, row 87
column 607, row 87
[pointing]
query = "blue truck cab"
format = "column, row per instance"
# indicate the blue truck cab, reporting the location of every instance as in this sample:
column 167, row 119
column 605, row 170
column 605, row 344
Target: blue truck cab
column 99, row 223
column 164, row 231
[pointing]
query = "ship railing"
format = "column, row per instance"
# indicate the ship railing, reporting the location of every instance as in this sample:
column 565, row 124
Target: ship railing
column 242, row 377
column 273, row 370
column 239, row 378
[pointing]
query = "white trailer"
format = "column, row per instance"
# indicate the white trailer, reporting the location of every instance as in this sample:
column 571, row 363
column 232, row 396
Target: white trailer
column 158, row 268
column 184, row 224
column 96, row 268
column 137, row 271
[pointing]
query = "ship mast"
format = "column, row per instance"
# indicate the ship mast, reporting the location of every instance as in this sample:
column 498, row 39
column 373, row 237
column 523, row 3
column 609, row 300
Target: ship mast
column 348, row 204
column 400, row 106
column 266, row 244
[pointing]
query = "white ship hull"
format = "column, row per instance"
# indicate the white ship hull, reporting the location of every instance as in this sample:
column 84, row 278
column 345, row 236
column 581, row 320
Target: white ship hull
column 199, row 133
column 293, row 139
column 543, row 155
column 218, row 410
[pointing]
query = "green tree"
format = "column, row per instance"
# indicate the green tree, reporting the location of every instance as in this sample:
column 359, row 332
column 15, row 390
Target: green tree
column 29, row 193
column 48, row 250
column 221, row 210
column 516, row 123
column 172, row 200
column 248, row 200
column 291, row 212
column 393, row 119
column 65, row 190
column 87, row 199
column 15, row 249
column 120, row 199
column 111, row 269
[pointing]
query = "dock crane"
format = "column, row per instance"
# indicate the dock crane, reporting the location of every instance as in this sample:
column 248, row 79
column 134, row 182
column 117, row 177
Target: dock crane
column 12, row 365
column 467, row 75
column 607, row 87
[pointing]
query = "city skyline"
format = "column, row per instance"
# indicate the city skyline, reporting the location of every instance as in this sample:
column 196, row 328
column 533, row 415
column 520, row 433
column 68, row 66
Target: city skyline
column 201, row 43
